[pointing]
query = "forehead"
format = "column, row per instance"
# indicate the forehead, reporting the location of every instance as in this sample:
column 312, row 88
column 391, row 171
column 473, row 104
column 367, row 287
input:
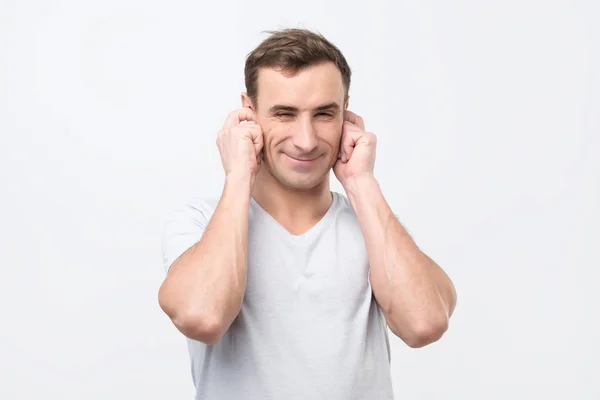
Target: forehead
column 305, row 89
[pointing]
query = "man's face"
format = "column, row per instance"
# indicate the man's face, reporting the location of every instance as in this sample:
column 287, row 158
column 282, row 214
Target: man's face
column 301, row 116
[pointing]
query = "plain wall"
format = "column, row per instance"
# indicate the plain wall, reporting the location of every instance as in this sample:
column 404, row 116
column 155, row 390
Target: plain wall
column 488, row 118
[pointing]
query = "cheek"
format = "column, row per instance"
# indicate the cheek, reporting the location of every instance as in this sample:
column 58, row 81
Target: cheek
column 276, row 134
column 272, row 137
column 332, row 135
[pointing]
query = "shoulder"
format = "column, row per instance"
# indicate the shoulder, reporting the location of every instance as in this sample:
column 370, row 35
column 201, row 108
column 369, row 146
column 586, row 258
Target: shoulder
column 183, row 226
column 345, row 207
column 342, row 203
column 344, row 214
column 194, row 209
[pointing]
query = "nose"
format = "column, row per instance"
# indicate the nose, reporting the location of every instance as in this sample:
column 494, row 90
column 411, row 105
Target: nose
column 305, row 136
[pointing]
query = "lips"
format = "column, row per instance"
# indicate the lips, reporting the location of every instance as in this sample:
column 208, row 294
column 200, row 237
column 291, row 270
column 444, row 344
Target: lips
column 302, row 159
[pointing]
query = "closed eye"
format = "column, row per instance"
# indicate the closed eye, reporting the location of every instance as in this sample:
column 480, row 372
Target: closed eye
column 284, row 114
column 326, row 115
column 290, row 115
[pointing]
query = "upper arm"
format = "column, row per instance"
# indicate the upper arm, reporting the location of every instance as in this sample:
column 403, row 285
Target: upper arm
column 181, row 230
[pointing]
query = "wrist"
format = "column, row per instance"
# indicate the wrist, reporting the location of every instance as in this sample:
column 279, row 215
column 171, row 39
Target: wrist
column 361, row 189
column 367, row 200
column 360, row 184
column 240, row 183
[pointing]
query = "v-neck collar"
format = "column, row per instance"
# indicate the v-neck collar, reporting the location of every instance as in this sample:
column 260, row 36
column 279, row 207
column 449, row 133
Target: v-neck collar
column 311, row 232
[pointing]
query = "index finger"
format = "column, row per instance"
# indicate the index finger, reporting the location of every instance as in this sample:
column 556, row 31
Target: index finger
column 237, row 116
column 354, row 119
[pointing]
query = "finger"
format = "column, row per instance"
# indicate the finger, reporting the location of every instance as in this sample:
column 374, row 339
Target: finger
column 257, row 139
column 347, row 150
column 236, row 117
column 255, row 133
column 347, row 143
column 354, row 119
column 251, row 131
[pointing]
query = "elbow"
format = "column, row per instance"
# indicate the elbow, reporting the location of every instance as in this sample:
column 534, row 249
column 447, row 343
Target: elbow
column 205, row 329
column 194, row 324
column 425, row 336
column 423, row 332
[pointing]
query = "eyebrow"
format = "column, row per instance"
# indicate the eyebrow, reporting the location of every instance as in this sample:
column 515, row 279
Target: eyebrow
column 325, row 107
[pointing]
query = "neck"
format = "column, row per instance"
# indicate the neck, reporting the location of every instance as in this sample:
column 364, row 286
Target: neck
column 291, row 205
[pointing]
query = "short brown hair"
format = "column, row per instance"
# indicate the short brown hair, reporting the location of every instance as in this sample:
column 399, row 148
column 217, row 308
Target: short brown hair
column 292, row 50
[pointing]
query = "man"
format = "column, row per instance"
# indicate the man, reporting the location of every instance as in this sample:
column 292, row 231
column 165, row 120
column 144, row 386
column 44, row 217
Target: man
column 284, row 289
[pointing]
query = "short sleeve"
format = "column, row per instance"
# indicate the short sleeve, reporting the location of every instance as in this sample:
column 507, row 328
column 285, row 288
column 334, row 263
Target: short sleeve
column 182, row 229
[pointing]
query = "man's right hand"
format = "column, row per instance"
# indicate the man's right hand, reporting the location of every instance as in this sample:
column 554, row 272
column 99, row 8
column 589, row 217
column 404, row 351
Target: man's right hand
column 217, row 263
column 240, row 142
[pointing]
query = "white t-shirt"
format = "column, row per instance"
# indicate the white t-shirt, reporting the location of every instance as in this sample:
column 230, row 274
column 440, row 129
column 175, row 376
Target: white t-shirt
column 309, row 327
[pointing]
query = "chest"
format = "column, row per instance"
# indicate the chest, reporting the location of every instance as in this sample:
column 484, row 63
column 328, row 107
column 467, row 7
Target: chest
column 325, row 271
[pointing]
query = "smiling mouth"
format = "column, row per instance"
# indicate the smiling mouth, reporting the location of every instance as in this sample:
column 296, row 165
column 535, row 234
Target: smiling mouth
column 302, row 159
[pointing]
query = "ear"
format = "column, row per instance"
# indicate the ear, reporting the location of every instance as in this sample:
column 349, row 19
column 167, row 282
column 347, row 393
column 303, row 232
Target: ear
column 347, row 103
column 247, row 101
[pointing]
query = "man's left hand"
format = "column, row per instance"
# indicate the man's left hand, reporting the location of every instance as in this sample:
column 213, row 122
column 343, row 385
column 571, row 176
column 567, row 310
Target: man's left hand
column 357, row 150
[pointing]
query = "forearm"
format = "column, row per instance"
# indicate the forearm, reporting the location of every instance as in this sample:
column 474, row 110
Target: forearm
column 205, row 286
column 416, row 296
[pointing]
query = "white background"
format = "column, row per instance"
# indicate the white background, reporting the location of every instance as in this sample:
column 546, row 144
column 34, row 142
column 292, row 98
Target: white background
column 488, row 117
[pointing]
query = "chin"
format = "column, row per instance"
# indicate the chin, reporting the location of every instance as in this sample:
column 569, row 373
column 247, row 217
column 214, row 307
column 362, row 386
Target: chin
column 301, row 182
